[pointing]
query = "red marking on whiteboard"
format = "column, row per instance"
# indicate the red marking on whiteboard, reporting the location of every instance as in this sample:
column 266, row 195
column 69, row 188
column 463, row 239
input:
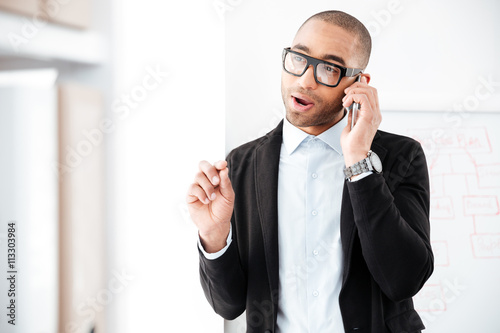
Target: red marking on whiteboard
column 467, row 184
column 441, row 254
column 471, row 158
column 432, row 164
column 451, row 164
column 442, row 208
column 488, row 175
column 485, row 245
column 485, row 205
column 430, row 299
column 454, row 140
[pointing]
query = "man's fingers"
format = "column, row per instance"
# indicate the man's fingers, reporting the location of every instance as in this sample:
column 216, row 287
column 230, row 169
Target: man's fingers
column 212, row 176
column 196, row 193
column 220, row 165
column 205, row 184
column 369, row 93
column 356, row 98
column 226, row 188
column 224, row 176
column 210, row 171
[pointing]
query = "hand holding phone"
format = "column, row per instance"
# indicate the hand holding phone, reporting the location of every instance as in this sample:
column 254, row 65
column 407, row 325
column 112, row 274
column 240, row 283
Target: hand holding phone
column 357, row 142
column 354, row 107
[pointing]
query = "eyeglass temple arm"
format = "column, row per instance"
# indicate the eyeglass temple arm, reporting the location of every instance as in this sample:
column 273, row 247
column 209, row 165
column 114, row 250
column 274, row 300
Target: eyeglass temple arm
column 353, row 71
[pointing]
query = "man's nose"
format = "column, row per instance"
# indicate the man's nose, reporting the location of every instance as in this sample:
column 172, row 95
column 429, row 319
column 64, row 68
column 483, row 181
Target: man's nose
column 307, row 80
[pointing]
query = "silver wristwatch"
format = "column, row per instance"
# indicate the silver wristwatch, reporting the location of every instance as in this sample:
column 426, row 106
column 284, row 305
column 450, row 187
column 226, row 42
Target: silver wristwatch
column 370, row 163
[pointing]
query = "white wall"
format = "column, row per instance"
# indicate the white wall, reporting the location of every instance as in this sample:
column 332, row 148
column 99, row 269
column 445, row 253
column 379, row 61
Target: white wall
column 158, row 144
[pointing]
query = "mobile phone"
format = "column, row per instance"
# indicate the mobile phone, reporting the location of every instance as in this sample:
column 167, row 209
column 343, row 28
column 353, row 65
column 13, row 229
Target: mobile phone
column 354, row 107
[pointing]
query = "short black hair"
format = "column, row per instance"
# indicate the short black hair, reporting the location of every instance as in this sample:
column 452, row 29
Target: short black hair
column 352, row 25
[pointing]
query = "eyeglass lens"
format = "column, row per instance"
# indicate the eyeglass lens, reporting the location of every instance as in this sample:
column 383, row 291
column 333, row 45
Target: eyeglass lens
column 296, row 64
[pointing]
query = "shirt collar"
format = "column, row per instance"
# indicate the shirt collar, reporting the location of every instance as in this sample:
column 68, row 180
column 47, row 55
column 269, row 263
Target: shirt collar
column 293, row 136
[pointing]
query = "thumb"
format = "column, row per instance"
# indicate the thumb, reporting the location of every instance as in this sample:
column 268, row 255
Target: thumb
column 226, row 189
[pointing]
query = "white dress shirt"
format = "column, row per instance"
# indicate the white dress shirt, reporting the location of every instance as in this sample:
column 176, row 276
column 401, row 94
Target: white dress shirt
column 310, row 186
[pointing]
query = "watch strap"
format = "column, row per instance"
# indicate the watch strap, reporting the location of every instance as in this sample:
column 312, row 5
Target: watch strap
column 358, row 168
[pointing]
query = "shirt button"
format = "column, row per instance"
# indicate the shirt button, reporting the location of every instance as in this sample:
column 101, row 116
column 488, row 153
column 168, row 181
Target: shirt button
column 315, row 252
column 315, row 293
column 314, row 213
column 314, row 175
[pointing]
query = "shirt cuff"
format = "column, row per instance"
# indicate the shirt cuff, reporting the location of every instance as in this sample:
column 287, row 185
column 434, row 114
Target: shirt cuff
column 360, row 176
column 213, row 256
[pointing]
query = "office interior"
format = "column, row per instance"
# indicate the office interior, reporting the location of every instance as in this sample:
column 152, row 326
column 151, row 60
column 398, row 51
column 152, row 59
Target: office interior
column 107, row 106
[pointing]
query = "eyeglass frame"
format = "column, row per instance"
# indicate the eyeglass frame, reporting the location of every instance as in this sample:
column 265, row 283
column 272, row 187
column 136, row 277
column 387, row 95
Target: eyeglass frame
column 344, row 71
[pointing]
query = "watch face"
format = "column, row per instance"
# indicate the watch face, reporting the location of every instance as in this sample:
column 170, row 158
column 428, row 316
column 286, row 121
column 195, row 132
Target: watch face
column 376, row 162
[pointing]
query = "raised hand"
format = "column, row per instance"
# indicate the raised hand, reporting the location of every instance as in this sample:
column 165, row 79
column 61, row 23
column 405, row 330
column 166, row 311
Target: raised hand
column 356, row 142
column 210, row 200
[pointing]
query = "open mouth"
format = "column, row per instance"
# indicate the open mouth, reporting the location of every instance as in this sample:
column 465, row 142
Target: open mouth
column 302, row 102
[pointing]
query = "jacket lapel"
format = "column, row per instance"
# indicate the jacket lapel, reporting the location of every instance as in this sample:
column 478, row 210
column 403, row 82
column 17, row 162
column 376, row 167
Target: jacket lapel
column 346, row 230
column 347, row 226
column 267, row 157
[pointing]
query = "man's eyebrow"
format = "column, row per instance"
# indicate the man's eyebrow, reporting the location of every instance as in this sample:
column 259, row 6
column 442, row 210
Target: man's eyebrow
column 332, row 57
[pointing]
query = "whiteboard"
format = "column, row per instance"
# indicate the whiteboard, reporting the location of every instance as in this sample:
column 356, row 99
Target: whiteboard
column 462, row 151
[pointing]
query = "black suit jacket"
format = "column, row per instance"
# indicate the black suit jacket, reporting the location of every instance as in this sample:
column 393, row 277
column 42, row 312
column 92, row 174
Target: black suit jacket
column 384, row 235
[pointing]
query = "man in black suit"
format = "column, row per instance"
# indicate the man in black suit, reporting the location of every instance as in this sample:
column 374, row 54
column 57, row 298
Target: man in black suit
column 317, row 226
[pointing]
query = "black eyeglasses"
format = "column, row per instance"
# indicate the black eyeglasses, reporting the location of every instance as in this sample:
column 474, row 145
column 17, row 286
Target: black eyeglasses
column 325, row 73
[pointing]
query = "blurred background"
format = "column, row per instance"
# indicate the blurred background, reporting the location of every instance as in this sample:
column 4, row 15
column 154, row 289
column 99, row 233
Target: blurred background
column 106, row 108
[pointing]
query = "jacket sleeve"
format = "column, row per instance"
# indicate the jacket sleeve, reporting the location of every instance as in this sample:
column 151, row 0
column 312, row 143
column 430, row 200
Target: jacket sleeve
column 223, row 279
column 394, row 228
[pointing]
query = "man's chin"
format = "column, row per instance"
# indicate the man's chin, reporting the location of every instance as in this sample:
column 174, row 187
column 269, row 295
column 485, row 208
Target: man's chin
column 301, row 119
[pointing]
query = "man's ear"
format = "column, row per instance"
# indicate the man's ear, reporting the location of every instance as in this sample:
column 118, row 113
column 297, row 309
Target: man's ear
column 365, row 78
